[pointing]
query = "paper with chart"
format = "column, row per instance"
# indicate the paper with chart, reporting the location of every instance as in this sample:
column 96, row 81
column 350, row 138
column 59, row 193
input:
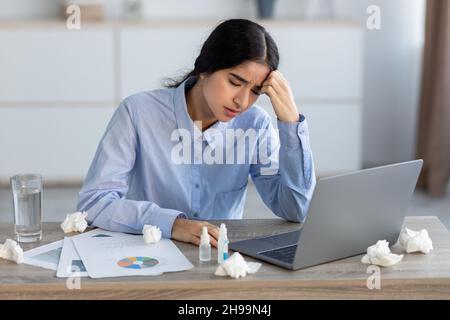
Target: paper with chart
column 113, row 254
column 70, row 263
column 46, row 256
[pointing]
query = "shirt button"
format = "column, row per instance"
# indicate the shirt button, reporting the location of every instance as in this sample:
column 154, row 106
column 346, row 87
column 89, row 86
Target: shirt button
column 196, row 186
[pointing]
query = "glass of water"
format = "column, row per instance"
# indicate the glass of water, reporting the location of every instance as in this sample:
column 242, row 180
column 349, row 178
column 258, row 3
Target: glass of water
column 27, row 201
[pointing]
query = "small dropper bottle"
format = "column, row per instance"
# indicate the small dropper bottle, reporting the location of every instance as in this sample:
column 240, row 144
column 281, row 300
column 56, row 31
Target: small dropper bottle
column 222, row 245
column 205, row 246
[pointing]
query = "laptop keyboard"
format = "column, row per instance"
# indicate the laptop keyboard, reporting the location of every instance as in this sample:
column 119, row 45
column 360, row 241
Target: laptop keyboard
column 285, row 254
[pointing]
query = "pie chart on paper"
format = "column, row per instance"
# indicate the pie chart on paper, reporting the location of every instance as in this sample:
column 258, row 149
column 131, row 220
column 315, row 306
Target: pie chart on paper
column 137, row 262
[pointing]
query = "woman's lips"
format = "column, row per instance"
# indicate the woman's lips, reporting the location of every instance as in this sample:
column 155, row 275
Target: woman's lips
column 231, row 112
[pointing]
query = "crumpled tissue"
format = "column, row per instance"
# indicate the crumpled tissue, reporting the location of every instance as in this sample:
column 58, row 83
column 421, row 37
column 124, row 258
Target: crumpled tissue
column 75, row 222
column 380, row 254
column 415, row 241
column 152, row 234
column 11, row 250
column 235, row 267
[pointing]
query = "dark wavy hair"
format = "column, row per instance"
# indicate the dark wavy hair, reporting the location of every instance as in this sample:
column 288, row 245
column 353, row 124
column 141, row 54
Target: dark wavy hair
column 231, row 43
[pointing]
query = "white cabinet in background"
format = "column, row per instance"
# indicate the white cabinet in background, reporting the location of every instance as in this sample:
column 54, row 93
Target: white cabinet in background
column 323, row 63
column 56, row 64
column 150, row 55
column 58, row 142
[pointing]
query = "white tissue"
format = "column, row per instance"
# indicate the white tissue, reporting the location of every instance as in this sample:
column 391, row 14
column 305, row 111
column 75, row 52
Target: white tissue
column 236, row 267
column 415, row 241
column 11, row 250
column 381, row 255
column 152, row 234
column 74, row 222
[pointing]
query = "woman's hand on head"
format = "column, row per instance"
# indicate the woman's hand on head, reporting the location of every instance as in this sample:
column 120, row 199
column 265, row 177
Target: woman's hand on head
column 186, row 230
column 279, row 91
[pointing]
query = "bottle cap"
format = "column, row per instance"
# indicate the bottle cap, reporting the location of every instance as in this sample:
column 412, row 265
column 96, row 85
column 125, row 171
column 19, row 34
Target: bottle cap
column 204, row 238
column 223, row 231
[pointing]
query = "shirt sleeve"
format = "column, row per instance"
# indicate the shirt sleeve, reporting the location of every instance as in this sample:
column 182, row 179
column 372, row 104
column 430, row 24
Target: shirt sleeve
column 284, row 174
column 103, row 193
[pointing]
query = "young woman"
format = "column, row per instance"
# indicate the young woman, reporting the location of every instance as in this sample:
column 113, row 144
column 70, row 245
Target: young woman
column 137, row 177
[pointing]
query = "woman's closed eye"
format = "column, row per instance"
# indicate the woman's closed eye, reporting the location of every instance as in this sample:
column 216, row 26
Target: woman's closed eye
column 238, row 85
column 256, row 92
column 234, row 84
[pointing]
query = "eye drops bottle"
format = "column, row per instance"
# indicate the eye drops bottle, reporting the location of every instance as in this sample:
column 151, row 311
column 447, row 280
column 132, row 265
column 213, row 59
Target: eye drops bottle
column 222, row 245
column 205, row 246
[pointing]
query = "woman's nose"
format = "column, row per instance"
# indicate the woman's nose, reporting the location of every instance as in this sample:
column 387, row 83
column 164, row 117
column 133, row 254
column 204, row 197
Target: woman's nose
column 237, row 104
column 241, row 100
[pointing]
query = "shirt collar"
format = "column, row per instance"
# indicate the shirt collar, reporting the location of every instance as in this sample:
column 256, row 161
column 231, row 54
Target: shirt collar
column 184, row 121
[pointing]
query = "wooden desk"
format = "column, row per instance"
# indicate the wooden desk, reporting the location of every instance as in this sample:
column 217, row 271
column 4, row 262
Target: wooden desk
column 417, row 276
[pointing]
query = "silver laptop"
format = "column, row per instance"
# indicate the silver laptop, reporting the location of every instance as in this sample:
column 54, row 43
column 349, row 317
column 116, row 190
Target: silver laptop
column 347, row 214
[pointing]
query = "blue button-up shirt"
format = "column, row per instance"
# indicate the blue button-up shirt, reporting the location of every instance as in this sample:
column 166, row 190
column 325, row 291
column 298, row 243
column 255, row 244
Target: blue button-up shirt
column 153, row 165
